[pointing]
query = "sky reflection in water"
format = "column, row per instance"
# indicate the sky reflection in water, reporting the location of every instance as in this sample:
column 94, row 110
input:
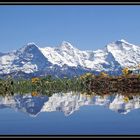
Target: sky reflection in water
column 69, row 113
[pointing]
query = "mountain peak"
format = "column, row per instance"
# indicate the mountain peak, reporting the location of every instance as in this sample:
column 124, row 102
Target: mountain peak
column 119, row 44
column 121, row 41
column 31, row 44
column 66, row 45
column 28, row 47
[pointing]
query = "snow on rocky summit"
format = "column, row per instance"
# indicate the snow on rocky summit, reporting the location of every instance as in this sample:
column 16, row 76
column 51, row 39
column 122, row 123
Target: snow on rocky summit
column 66, row 59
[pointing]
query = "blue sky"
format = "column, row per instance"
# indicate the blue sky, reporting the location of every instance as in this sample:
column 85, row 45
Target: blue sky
column 87, row 27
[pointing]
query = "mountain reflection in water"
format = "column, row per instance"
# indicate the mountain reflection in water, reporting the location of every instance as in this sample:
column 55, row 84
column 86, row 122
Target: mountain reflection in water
column 68, row 103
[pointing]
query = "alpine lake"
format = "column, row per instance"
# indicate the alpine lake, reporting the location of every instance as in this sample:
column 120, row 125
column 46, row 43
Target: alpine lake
column 70, row 112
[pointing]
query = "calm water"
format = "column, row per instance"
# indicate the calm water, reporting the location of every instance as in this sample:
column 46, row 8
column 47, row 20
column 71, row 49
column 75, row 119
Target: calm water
column 69, row 114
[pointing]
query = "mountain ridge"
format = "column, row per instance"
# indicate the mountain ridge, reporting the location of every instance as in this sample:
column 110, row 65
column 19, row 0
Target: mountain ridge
column 68, row 60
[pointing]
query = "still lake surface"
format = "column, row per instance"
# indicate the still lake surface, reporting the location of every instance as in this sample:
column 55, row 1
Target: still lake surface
column 69, row 114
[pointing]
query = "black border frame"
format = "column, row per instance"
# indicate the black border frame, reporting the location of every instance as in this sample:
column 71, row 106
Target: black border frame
column 51, row 2
column 72, row 2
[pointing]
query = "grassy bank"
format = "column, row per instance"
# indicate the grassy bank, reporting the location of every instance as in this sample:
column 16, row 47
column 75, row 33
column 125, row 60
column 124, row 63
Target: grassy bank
column 86, row 83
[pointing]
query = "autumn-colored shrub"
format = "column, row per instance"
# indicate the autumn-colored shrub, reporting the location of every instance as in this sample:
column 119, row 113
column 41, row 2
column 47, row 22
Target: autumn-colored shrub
column 35, row 80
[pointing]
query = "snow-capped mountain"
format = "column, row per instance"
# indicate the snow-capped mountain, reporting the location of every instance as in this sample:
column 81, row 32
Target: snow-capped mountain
column 125, row 54
column 67, row 103
column 66, row 59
